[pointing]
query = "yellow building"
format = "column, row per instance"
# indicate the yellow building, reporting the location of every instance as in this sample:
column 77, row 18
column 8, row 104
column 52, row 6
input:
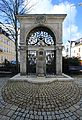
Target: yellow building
column 7, row 47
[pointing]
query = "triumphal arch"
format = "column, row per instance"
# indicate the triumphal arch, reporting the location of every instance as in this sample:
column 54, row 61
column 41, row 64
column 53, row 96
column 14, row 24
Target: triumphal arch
column 41, row 44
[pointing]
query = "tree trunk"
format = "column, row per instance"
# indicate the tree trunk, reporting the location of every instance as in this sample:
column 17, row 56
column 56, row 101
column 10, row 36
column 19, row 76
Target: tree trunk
column 16, row 36
column 16, row 44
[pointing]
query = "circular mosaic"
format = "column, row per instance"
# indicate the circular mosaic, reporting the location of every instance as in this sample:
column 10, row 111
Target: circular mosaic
column 41, row 96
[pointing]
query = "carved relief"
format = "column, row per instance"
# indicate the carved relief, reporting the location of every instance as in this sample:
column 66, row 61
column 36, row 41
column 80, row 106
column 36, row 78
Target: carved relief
column 40, row 19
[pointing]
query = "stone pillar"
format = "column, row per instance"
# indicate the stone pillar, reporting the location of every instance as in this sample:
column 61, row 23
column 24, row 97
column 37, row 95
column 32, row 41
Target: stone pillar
column 59, row 60
column 23, row 62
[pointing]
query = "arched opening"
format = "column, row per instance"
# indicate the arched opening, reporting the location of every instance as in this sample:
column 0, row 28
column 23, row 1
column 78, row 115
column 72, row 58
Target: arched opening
column 41, row 51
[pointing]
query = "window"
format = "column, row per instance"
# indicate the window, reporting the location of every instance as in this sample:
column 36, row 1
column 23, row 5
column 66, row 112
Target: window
column 79, row 49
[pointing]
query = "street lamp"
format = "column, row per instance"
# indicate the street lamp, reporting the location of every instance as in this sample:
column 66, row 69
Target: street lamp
column 80, row 4
column 70, row 29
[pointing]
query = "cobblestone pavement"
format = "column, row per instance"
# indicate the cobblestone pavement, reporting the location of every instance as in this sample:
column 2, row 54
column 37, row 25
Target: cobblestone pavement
column 58, row 100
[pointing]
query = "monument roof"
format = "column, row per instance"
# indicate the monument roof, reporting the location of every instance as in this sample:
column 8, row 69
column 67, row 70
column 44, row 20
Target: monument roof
column 48, row 15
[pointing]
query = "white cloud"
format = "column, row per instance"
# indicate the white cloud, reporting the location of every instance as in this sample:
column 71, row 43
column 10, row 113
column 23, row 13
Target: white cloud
column 40, row 6
column 70, row 29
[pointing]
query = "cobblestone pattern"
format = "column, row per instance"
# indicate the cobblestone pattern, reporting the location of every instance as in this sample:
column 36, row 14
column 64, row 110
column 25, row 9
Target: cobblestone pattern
column 51, row 101
column 69, row 109
column 44, row 97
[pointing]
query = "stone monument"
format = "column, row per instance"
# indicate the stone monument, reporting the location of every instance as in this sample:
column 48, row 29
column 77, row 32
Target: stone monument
column 46, row 27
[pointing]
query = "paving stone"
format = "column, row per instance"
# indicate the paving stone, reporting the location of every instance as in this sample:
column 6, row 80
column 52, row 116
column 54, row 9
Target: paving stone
column 41, row 117
column 17, row 118
column 80, row 109
column 22, row 110
column 80, row 118
column 49, row 101
column 5, row 111
column 72, row 109
column 62, row 116
column 22, row 118
column 54, row 117
column 57, row 116
column 14, row 107
column 48, row 104
column 39, row 113
column 67, row 114
column 49, row 117
column 32, row 117
column 48, row 113
column 79, row 112
column 74, row 117
column 5, row 118
column 37, row 117
column 70, row 118
column 0, row 116
column 27, row 115
column 14, row 116
column 81, row 105
column 16, row 112
column 44, row 113
column 24, row 114
column 70, row 113
column 8, row 106
column 20, row 114
column 52, row 113
column 10, row 113
column 45, row 117
column 35, row 112
column 30, row 112
column 1, row 105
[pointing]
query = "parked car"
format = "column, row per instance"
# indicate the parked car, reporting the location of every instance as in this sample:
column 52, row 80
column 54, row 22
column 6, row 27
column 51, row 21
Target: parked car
column 13, row 62
column 75, row 68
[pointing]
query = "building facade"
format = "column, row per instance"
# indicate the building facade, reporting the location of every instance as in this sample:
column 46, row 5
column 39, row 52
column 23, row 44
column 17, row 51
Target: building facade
column 7, row 47
column 76, row 49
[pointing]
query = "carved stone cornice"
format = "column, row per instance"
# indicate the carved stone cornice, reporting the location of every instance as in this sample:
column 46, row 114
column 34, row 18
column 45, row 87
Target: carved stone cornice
column 56, row 47
column 59, row 47
column 22, row 43
column 23, row 48
column 40, row 19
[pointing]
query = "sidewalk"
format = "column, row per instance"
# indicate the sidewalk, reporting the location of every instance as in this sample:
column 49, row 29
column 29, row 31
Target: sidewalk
column 57, row 100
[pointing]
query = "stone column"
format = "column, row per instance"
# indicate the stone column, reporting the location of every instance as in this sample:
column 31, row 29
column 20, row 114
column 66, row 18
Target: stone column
column 22, row 46
column 59, row 60
column 23, row 62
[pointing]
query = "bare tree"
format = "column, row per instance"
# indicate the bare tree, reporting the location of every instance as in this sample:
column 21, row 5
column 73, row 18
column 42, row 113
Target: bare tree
column 9, row 9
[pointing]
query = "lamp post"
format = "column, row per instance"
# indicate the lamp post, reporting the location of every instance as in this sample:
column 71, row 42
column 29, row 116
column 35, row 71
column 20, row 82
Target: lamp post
column 70, row 30
column 80, row 4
